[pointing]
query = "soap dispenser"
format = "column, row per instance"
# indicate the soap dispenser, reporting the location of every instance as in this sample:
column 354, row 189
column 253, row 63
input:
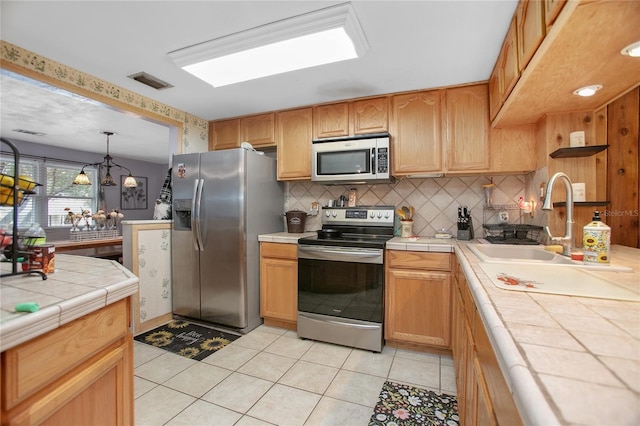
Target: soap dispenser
column 596, row 237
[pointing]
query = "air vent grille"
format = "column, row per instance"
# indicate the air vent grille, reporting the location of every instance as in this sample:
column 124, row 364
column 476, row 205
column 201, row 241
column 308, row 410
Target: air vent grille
column 150, row 80
column 29, row 132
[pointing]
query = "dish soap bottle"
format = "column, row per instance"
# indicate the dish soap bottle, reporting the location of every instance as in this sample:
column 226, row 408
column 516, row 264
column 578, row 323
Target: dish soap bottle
column 596, row 237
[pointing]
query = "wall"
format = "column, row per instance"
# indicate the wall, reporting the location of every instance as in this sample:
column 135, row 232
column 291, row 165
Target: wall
column 436, row 200
column 155, row 174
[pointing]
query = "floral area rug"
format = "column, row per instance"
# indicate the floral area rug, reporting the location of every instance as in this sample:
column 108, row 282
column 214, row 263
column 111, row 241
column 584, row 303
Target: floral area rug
column 404, row 405
column 187, row 339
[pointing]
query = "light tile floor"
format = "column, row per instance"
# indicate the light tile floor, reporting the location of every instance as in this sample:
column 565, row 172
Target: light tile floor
column 271, row 377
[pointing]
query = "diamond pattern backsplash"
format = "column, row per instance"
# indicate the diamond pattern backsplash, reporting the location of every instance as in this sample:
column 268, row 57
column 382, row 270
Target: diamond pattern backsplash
column 436, row 200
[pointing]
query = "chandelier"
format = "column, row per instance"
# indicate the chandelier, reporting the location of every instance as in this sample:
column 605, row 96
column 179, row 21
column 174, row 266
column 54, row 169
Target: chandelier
column 107, row 180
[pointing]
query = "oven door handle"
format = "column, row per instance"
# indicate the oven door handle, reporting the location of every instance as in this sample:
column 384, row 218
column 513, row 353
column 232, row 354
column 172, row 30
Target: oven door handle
column 339, row 255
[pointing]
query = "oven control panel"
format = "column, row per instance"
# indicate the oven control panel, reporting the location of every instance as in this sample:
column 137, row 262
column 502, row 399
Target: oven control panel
column 359, row 216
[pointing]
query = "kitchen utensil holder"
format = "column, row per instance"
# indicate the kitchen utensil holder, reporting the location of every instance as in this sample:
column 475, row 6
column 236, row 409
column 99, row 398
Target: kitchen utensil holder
column 406, row 228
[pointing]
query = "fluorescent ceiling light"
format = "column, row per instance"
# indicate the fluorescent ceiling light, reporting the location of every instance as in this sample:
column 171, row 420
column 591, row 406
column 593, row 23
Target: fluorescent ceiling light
column 325, row 36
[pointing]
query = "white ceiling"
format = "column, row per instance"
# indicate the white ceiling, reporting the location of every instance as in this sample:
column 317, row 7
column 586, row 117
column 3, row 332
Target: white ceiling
column 413, row 45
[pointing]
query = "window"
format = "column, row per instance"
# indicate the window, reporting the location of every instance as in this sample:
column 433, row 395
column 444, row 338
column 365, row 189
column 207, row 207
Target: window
column 47, row 205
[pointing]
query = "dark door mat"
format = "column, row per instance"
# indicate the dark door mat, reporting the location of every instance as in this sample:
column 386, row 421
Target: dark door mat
column 405, row 405
column 187, row 339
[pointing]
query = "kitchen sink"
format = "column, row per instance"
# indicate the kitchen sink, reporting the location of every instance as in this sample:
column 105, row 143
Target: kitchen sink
column 493, row 253
column 532, row 255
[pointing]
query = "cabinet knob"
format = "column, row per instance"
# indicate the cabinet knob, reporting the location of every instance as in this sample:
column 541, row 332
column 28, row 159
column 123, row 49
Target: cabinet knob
column 621, row 171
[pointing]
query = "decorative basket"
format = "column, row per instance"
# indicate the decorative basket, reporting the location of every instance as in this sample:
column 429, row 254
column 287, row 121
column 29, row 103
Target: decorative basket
column 93, row 235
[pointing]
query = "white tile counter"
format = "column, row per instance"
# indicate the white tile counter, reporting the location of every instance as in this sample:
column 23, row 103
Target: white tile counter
column 445, row 245
column 285, row 237
column 567, row 360
column 79, row 285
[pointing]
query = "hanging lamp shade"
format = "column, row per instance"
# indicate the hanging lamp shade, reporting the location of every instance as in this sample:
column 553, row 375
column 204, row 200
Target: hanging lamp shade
column 81, row 178
column 130, row 182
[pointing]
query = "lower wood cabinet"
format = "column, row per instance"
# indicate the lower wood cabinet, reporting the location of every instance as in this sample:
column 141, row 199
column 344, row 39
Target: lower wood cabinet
column 483, row 395
column 418, row 299
column 80, row 373
column 279, row 284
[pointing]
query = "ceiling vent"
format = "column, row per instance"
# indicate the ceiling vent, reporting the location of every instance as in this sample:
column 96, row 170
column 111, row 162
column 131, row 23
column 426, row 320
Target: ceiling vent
column 29, row 132
column 150, row 81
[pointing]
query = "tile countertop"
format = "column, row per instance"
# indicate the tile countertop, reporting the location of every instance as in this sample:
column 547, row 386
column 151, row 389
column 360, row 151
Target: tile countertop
column 284, row 237
column 567, row 360
column 79, row 285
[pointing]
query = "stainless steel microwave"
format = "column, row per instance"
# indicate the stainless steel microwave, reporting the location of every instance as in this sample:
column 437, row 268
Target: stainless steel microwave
column 356, row 159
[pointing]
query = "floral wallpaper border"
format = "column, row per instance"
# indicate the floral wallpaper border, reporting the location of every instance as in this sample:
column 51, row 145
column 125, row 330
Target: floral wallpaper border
column 195, row 130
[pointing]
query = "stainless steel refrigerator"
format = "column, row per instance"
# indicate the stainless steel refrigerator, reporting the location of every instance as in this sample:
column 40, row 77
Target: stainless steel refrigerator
column 222, row 201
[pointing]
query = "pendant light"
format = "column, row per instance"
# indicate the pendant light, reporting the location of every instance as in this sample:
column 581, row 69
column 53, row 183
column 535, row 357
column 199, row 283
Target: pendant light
column 107, row 180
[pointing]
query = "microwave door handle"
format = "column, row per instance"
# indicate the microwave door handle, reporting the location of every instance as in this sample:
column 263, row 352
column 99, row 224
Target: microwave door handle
column 373, row 161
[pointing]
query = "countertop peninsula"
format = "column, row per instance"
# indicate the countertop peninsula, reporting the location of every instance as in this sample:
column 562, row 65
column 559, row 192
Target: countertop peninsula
column 79, row 285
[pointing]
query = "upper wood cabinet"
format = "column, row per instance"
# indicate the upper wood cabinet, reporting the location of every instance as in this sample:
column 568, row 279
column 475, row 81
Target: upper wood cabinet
column 258, row 130
column 415, row 130
column 351, row 118
column 508, row 67
column 370, row 116
column 331, row 120
column 530, row 28
column 466, row 128
column 293, row 138
column 224, row 134
column 551, row 10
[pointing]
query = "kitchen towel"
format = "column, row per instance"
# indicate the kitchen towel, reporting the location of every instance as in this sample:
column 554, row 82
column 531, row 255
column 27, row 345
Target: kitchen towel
column 187, row 339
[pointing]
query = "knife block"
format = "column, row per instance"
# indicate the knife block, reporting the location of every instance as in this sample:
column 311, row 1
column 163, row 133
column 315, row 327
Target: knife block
column 466, row 234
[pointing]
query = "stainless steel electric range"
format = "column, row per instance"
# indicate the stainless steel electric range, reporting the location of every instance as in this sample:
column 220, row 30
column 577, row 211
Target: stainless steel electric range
column 341, row 277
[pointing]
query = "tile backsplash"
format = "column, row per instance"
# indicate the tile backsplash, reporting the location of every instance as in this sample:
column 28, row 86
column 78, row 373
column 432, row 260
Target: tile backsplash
column 436, row 200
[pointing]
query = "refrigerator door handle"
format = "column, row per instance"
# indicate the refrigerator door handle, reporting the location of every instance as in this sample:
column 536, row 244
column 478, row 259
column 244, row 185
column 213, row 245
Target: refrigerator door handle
column 198, row 199
column 194, row 216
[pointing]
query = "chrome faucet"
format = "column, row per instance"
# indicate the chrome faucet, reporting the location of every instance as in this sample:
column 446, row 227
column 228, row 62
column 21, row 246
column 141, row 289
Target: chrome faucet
column 567, row 240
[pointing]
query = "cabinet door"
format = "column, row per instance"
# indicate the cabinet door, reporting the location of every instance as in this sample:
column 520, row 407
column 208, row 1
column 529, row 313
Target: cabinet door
column 509, row 65
column 513, row 149
column 258, row 130
column 331, row 120
column 551, row 10
column 419, row 307
column 531, row 29
column 370, row 116
column 416, row 133
column 226, row 134
column 279, row 289
column 100, row 391
column 495, row 96
column 466, row 116
column 293, row 138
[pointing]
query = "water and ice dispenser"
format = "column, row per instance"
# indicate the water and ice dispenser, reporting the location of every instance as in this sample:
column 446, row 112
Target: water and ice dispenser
column 182, row 214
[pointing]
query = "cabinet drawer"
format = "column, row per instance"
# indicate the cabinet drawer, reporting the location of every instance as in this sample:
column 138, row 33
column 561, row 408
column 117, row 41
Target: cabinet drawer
column 279, row 250
column 34, row 364
column 419, row 260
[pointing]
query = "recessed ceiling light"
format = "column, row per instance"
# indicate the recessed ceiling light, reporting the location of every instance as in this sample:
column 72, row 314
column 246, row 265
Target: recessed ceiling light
column 325, row 36
column 588, row 90
column 632, row 50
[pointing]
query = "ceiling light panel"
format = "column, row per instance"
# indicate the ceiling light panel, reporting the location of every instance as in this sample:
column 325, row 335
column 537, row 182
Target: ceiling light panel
column 328, row 35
